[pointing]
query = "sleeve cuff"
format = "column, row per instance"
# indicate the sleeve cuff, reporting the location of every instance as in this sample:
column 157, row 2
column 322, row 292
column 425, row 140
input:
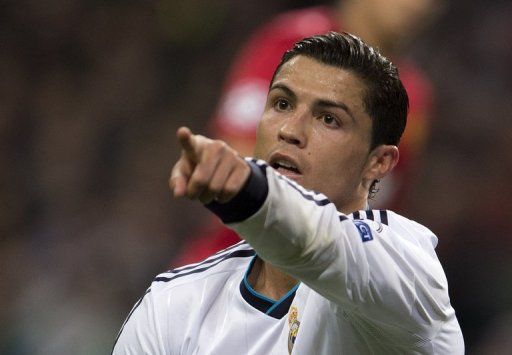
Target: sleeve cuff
column 247, row 202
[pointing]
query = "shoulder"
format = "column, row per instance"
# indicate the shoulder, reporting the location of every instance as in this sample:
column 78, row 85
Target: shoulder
column 178, row 296
column 219, row 265
column 184, row 293
column 390, row 223
column 401, row 255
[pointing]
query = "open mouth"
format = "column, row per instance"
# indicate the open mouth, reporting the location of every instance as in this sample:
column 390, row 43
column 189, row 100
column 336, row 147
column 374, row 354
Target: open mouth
column 285, row 167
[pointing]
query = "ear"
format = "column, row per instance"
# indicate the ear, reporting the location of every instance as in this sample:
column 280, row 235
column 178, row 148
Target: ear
column 381, row 161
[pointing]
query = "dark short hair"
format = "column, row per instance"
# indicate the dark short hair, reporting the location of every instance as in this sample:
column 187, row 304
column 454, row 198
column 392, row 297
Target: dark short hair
column 385, row 99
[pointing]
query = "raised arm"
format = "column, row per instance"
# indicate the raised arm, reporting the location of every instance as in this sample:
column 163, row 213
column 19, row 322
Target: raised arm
column 382, row 274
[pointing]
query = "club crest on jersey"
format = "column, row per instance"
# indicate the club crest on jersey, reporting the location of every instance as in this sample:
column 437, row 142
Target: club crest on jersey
column 364, row 231
column 294, row 327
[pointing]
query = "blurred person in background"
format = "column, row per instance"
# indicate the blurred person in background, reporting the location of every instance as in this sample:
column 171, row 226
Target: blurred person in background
column 387, row 25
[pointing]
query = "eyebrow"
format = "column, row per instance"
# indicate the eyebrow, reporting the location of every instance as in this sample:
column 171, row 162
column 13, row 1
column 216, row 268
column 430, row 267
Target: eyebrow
column 341, row 105
column 321, row 102
column 284, row 88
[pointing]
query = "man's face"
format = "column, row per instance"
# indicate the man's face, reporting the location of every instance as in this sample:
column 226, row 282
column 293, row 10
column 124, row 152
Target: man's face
column 315, row 130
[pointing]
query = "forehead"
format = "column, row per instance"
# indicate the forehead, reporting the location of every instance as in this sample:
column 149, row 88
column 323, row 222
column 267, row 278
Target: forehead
column 312, row 78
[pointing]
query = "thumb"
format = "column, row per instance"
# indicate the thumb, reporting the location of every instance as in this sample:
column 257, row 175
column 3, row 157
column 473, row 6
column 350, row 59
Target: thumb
column 179, row 177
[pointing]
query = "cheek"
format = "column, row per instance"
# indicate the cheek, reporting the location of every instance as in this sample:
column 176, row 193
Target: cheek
column 332, row 178
column 341, row 166
column 264, row 137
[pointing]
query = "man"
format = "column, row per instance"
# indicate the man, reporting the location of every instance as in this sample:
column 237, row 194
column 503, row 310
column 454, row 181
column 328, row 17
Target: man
column 317, row 273
column 389, row 25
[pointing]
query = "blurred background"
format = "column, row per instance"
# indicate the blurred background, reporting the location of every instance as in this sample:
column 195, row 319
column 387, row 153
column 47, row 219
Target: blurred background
column 91, row 94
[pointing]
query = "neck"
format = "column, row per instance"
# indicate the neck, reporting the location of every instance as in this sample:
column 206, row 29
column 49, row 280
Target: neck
column 357, row 205
column 269, row 280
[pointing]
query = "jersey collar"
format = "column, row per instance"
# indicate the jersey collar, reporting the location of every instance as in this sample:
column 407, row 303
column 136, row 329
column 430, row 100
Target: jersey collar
column 273, row 308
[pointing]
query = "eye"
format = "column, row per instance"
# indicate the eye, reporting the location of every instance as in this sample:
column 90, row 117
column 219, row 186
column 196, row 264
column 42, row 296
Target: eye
column 282, row 104
column 330, row 120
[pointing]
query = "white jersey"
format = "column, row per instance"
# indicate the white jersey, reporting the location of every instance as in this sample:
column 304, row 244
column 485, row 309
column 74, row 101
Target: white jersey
column 370, row 283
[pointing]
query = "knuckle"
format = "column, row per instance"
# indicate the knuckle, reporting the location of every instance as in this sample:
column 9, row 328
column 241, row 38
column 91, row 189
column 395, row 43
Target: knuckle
column 215, row 188
column 242, row 164
column 193, row 190
column 219, row 146
column 200, row 180
column 231, row 188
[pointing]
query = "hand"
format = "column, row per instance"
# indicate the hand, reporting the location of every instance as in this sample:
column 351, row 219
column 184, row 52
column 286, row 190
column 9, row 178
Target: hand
column 207, row 169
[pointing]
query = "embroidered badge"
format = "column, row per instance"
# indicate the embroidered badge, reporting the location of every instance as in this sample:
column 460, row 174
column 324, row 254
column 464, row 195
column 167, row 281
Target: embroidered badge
column 364, row 230
column 294, row 327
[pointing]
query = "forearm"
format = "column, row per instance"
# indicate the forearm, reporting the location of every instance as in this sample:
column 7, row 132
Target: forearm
column 290, row 227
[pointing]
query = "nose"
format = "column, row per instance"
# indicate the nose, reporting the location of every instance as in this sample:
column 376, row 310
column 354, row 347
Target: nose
column 293, row 131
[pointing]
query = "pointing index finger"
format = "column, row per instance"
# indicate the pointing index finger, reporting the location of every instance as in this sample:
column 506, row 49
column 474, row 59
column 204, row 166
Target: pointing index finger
column 186, row 139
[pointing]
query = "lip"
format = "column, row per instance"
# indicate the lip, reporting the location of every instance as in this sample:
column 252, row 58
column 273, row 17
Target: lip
column 274, row 157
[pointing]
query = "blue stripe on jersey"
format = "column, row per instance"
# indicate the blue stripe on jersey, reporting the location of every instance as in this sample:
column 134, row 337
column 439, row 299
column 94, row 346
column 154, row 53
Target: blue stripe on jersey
column 219, row 255
column 276, row 309
column 242, row 242
column 384, row 217
column 370, row 214
column 321, row 202
column 281, row 307
column 235, row 254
